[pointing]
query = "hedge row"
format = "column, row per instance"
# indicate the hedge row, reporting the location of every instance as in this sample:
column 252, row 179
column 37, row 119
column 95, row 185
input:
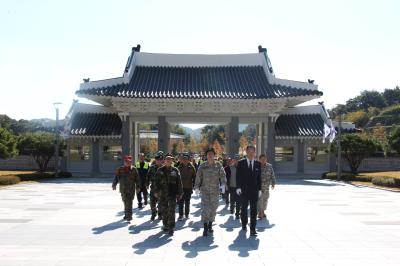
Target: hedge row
column 15, row 179
column 9, row 180
column 385, row 181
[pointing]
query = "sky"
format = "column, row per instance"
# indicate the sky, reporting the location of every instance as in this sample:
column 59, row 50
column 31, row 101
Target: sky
column 48, row 47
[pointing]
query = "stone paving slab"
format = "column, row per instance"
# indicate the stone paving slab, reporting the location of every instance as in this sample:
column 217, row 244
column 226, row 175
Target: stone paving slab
column 310, row 222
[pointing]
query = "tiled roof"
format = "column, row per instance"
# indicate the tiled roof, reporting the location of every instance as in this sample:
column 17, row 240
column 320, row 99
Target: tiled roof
column 95, row 124
column 299, row 125
column 234, row 82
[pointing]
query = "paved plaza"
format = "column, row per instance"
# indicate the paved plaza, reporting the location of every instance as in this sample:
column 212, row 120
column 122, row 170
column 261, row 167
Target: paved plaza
column 311, row 222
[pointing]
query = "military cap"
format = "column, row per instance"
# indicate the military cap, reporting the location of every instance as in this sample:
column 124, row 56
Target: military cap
column 186, row 156
column 169, row 156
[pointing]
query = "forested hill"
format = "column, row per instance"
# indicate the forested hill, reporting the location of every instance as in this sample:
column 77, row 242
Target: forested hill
column 371, row 108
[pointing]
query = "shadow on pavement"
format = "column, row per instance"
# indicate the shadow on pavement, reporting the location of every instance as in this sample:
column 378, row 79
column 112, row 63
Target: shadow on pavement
column 200, row 244
column 244, row 245
column 152, row 242
column 109, row 227
column 148, row 225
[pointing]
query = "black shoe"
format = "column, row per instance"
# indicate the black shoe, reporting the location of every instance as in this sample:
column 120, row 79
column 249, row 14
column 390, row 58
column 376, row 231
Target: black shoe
column 180, row 218
column 165, row 229
column 129, row 218
column 171, row 232
column 159, row 217
column 187, row 216
column 232, row 211
column 253, row 233
column 205, row 231
column 124, row 217
column 237, row 217
column 140, row 206
column 153, row 216
column 244, row 227
column 210, row 227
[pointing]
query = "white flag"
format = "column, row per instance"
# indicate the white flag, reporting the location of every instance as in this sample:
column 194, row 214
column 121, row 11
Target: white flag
column 332, row 134
column 327, row 131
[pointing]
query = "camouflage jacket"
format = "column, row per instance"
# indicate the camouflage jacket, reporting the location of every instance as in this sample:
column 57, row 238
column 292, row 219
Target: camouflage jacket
column 128, row 181
column 151, row 176
column 209, row 177
column 168, row 182
column 267, row 176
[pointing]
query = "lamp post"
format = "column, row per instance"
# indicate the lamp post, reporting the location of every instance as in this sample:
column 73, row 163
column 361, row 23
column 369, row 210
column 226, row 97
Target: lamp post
column 339, row 143
column 56, row 106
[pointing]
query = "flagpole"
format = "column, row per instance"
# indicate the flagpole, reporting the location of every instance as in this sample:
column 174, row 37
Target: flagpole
column 339, row 140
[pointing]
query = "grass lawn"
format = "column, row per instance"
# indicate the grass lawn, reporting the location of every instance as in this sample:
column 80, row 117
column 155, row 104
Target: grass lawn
column 16, row 172
column 394, row 174
column 369, row 184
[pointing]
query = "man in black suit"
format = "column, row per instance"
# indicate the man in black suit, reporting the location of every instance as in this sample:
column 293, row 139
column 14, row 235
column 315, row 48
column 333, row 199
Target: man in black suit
column 248, row 175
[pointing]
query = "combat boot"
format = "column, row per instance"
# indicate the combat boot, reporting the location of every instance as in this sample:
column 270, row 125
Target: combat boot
column 210, row 227
column 205, row 231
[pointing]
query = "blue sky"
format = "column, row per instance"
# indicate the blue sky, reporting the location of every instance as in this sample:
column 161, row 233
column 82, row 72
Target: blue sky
column 47, row 47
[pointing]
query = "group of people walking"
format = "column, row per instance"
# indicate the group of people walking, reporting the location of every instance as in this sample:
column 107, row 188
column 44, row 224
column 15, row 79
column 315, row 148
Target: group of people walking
column 243, row 183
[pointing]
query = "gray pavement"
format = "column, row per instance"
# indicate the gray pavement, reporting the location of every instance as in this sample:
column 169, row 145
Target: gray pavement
column 310, row 222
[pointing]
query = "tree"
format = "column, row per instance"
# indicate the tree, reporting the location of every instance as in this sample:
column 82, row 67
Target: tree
column 372, row 99
column 359, row 118
column 40, row 145
column 181, row 146
column 355, row 149
column 392, row 96
column 212, row 133
column 7, row 144
column 394, row 139
column 217, row 147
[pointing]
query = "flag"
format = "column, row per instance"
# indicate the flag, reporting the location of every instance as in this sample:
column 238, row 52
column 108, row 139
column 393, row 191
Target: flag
column 332, row 134
column 327, row 131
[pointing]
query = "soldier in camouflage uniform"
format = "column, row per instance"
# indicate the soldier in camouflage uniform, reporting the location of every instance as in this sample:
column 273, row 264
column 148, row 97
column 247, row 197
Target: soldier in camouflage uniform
column 128, row 179
column 151, row 176
column 208, row 179
column 267, row 180
column 168, row 188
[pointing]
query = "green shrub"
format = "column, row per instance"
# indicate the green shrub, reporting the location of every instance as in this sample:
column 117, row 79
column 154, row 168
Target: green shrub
column 64, row 174
column 35, row 176
column 386, row 181
column 9, row 180
column 345, row 176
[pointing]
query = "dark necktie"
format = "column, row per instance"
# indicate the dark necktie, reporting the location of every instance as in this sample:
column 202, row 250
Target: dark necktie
column 250, row 167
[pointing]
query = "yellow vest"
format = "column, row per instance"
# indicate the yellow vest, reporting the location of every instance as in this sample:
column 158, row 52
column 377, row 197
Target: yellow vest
column 145, row 166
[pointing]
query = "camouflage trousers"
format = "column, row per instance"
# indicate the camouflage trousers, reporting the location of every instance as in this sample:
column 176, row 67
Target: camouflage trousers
column 153, row 204
column 209, row 205
column 263, row 201
column 168, row 205
column 127, row 199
